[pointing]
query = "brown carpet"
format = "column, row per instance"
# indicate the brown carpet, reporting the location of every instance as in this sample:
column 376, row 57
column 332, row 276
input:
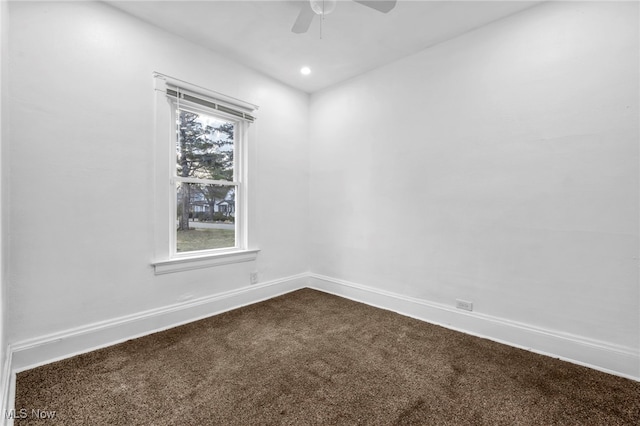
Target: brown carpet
column 312, row 358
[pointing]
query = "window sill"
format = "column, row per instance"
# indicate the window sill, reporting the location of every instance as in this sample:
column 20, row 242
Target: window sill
column 206, row 261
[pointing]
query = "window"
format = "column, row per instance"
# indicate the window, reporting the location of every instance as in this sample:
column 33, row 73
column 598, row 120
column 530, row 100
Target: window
column 201, row 177
column 204, row 177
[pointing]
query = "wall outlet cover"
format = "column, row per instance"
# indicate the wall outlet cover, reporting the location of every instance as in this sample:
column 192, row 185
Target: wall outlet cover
column 463, row 304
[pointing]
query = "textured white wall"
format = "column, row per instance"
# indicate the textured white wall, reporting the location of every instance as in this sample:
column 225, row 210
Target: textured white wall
column 499, row 167
column 81, row 185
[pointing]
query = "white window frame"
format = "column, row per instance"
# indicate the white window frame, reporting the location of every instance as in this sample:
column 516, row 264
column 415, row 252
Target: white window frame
column 167, row 259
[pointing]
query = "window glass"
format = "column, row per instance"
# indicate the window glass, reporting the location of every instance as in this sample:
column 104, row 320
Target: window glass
column 205, row 217
column 205, row 211
column 204, row 146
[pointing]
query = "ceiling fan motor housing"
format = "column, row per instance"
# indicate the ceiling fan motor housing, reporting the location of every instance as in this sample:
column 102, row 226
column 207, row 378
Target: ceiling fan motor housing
column 323, row 7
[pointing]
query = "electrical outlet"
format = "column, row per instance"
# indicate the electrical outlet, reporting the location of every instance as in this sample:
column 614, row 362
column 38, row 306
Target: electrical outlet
column 253, row 277
column 463, row 304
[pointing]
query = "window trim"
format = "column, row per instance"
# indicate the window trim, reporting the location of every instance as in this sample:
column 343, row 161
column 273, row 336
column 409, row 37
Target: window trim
column 166, row 258
column 204, row 261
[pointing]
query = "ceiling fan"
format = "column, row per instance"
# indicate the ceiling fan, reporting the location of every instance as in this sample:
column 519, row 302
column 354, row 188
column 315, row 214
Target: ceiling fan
column 324, row 7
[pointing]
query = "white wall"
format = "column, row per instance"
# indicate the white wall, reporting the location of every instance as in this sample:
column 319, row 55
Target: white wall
column 500, row 167
column 4, row 30
column 81, row 171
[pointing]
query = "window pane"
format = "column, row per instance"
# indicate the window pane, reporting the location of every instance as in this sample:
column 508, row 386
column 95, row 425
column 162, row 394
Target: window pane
column 204, row 146
column 205, row 217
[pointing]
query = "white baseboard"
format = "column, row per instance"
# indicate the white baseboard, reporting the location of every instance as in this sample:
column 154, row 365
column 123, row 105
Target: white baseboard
column 7, row 392
column 612, row 359
column 45, row 349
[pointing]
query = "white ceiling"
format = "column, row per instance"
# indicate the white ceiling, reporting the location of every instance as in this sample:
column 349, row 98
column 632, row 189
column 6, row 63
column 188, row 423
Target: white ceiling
column 355, row 38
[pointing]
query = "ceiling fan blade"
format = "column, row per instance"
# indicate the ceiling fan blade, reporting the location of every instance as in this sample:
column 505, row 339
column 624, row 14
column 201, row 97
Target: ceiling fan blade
column 383, row 6
column 303, row 21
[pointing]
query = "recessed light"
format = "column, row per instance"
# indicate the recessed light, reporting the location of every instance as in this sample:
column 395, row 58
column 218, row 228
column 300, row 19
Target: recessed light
column 305, row 70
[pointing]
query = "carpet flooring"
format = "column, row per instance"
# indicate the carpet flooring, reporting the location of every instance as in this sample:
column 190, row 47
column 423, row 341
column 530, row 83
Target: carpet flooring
column 308, row 357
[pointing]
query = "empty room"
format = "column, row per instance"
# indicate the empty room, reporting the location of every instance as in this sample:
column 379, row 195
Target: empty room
column 320, row 212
